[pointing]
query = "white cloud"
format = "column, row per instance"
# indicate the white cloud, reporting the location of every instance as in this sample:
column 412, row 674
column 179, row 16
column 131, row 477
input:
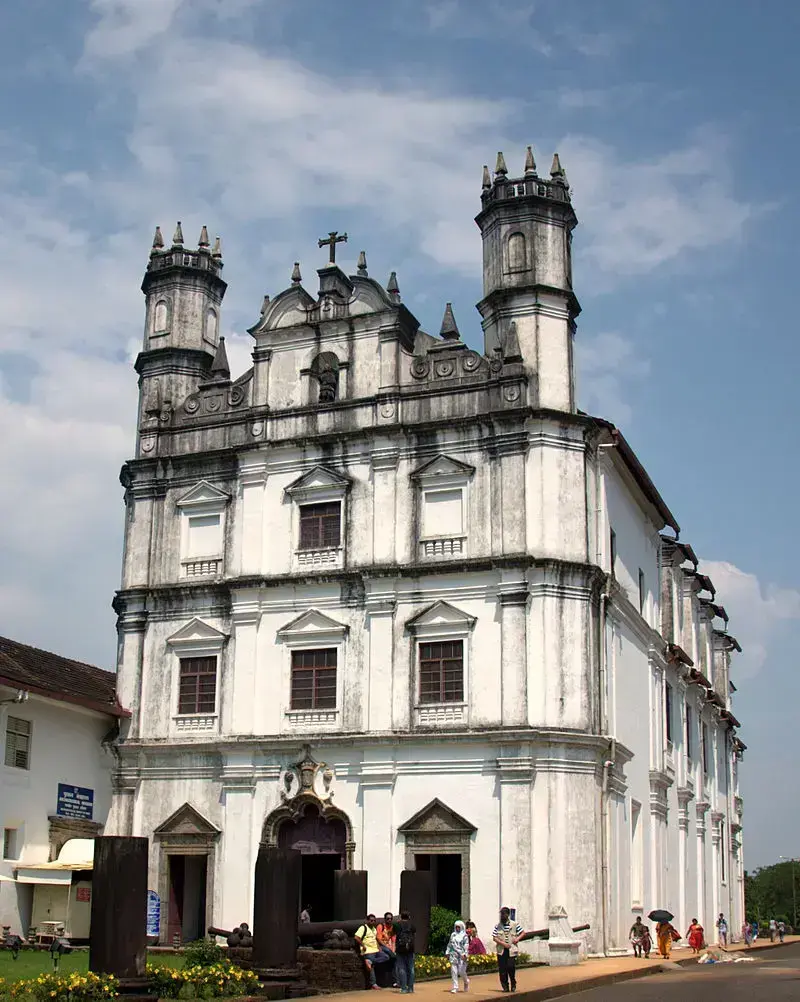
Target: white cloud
column 607, row 366
column 760, row 613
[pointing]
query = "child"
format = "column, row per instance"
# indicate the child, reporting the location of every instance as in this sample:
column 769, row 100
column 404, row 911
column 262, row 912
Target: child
column 458, row 955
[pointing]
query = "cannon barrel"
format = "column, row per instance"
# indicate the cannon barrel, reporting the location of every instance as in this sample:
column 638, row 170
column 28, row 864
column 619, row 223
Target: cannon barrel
column 545, row 933
column 315, row 932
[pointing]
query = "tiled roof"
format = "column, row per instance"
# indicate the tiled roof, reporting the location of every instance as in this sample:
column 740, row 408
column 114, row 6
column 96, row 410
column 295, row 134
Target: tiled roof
column 59, row 678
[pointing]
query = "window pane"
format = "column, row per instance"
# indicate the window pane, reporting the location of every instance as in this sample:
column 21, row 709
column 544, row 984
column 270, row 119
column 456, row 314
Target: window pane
column 441, row 672
column 314, row 679
column 17, row 753
column 205, row 537
column 197, row 690
column 442, row 513
column 320, row 525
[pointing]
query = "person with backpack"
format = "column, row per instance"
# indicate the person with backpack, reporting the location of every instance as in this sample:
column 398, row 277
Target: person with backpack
column 404, row 948
column 367, row 938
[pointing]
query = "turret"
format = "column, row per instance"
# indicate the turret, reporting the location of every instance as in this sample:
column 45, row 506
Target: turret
column 526, row 224
column 183, row 291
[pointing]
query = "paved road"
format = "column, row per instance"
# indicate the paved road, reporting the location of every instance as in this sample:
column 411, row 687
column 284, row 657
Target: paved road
column 774, row 976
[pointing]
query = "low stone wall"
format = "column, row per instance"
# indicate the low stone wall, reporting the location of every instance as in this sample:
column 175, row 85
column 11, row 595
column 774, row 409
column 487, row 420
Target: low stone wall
column 332, row 970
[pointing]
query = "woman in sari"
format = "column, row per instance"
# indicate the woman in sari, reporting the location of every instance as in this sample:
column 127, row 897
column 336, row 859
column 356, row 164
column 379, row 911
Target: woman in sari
column 666, row 933
column 696, row 936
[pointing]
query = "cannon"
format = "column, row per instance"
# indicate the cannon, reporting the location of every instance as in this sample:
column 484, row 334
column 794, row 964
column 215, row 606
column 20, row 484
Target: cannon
column 240, row 936
column 545, row 933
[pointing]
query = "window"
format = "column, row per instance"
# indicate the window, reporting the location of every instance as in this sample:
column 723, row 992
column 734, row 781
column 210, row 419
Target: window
column 689, row 725
column 668, row 710
column 320, row 525
column 704, row 749
column 197, row 691
column 11, row 845
column 517, row 253
column 642, row 591
column 441, row 672
column 18, row 743
column 612, row 550
column 204, row 536
column 160, row 317
column 637, row 855
column 212, row 326
column 443, row 513
column 314, row 679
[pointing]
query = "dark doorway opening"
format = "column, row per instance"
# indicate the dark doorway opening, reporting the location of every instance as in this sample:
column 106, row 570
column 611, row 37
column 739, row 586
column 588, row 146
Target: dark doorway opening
column 445, row 871
column 317, row 884
column 187, row 898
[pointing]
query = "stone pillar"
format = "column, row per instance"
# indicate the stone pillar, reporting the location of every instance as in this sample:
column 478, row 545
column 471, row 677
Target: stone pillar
column 276, row 907
column 349, row 894
column 131, row 627
column 261, row 364
column 240, row 695
column 118, row 943
column 515, row 774
column 416, row 897
column 701, row 808
column 377, row 834
column 249, row 548
column 384, row 499
column 717, row 820
column 236, row 863
column 684, row 796
column 379, row 679
column 513, row 657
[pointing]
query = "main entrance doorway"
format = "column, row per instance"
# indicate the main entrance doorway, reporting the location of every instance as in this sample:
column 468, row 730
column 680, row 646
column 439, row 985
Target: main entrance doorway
column 445, row 870
column 187, row 897
column 322, row 843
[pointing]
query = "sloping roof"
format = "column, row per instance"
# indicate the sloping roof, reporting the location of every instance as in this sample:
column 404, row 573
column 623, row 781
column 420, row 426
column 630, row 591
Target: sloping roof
column 56, row 677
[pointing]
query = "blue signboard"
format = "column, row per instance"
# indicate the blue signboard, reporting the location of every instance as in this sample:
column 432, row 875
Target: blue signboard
column 153, row 913
column 75, row 802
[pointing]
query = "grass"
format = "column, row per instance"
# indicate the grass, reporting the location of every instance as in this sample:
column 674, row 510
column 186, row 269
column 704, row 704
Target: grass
column 32, row 963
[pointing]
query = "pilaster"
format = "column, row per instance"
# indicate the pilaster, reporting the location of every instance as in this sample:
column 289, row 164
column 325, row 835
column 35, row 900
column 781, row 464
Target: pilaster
column 236, row 859
column 384, row 464
column 513, row 655
column 380, row 678
column 377, row 836
column 515, row 776
column 243, row 689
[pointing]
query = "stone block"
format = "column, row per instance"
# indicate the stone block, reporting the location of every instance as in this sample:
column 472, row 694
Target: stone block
column 276, row 907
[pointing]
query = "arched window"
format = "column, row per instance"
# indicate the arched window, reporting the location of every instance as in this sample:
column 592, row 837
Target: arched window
column 212, row 325
column 160, row 317
column 517, row 253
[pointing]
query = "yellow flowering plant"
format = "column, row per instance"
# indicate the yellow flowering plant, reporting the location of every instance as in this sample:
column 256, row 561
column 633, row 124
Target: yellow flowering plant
column 73, row 987
column 201, row 981
column 434, row 966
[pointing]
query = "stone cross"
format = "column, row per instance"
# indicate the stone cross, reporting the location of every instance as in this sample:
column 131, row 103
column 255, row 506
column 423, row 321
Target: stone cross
column 331, row 241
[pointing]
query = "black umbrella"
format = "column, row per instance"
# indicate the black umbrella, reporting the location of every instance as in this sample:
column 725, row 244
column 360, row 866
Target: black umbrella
column 659, row 915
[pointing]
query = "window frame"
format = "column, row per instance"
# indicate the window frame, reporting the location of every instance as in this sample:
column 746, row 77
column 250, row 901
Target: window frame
column 319, row 485
column 320, row 545
column 442, row 701
column 202, row 501
column 18, row 734
column 668, row 707
column 197, row 639
column 312, row 630
column 689, row 747
column 16, row 855
column 439, row 475
column 197, row 711
column 315, row 670
column 704, row 747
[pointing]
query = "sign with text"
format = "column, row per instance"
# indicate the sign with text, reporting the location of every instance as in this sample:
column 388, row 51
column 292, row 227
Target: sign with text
column 83, row 894
column 75, row 802
column 153, row 913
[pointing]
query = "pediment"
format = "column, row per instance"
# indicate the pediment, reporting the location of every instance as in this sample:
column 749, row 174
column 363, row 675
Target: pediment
column 440, row 614
column 288, row 309
column 443, row 466
column 437, row 818
column 369, row 297
column 203, row 493
column 321, row 478
column 197, row 632
column 187, row 821
column 310, row 624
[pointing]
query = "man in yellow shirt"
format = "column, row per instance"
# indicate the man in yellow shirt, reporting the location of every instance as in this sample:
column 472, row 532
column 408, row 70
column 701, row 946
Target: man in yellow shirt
column 367, row 938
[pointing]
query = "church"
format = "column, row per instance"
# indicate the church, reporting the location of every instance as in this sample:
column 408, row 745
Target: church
column 399, row 604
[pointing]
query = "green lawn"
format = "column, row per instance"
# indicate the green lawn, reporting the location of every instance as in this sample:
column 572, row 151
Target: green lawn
column 31, row 963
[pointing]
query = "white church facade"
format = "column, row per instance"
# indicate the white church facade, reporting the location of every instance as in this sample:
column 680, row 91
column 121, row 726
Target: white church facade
column 399, row 604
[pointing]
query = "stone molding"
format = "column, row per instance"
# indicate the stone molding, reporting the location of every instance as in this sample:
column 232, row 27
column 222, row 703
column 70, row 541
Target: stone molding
column 61, row 830
column 438, row 830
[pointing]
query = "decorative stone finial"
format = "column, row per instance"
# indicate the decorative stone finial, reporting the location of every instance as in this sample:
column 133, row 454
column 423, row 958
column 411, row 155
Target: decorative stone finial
column 297, row 278
column 487, row 177
column 204, row 241
column 500, row 167
column 158, row 239
column 530, row 163
column 449, row 329
column 219, row 367
column 362, row 264
column 556, row 170
column 264, row 303
column 177, row 238
column 216, row 250
column 392, row 287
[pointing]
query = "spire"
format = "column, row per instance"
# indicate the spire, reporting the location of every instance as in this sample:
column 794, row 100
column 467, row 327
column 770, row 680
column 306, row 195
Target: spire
column 264, row 303
column 449, row 328
column 177, row 238
column 500, row 167
column 204, row 241
column 530, row 163
column 392, row 287
column 216, row 250
column 219, row 367
column 158, row 239
column 511, row 350
column 557, row 171
column 487, row 177
column 297, row 278
column 362, row 265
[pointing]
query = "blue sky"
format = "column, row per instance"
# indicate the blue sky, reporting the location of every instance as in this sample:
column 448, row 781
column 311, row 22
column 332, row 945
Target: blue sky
column 274, row 122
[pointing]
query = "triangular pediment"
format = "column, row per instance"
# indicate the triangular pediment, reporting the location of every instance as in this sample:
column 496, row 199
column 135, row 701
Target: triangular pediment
column 443, row 466
column 321, row 478
column 436, row 817
column 309, row 624
column 186, row 821
column 203, row 493
column 197, row 631
column 441, row 614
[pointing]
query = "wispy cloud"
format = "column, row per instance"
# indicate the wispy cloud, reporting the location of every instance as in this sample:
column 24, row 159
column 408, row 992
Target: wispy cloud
column 608, row 369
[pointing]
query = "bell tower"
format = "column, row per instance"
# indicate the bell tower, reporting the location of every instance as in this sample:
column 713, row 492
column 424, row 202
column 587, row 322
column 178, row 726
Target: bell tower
column 183, row 291
column 526, row 224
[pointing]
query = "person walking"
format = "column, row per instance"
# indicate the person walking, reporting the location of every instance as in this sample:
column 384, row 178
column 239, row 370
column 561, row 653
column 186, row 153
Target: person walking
column 476, row 947
column 754, row 929
column 506, row 935
column 773, row 930
column 458, row 955
column 305, row 914
column 747, row 934
column 666, row 934
column 637, row 935
column 781, row 930
column 405, row 947
column 722, row 930
column 696, row 936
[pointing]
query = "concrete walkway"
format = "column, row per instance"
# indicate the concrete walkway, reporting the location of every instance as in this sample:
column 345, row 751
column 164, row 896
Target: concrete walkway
column 538, row 983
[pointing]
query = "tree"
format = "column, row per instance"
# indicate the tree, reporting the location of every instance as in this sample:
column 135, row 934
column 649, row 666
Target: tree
column 769, row 892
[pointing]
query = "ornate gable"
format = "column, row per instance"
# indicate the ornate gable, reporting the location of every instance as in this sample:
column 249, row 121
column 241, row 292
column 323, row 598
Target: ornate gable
column 186, row 823
column 204, row 494
column 320, row 480
column 312, row 625
column 443, row 466
column 197, row 632
column 440, row 616
column 437, row 819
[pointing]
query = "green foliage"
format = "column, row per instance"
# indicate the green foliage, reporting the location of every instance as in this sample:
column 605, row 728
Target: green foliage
column 205, row 981
column 442, row 922
column 74, row 987
column 769, row 893
column 202, row 953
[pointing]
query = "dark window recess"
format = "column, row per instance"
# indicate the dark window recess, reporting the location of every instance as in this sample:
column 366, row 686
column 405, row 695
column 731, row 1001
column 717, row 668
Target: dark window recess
column 320, row 525
column 642, row 591
column 668, row 710
column 18, row 743
column 612, row 540
column 198, row 685
column 689, row 725
column 441, row 672
column 314, row 679
column 705, row 748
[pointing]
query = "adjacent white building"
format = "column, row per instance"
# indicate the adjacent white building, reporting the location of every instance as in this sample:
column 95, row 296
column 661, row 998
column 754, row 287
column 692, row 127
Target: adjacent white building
column 399, row 604
column 58, row 721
